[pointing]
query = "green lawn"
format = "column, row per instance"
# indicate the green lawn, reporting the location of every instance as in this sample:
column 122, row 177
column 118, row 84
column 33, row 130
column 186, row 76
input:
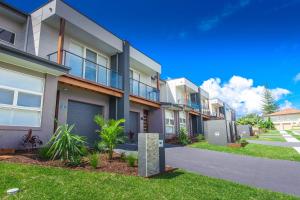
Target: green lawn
column 295, row 136
column 271, row 135
column 257, row 150
column 268, row 138
column 38, row 182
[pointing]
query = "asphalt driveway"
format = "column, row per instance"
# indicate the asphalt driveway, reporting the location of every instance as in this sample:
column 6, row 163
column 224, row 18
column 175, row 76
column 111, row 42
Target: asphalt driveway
column 276, row 175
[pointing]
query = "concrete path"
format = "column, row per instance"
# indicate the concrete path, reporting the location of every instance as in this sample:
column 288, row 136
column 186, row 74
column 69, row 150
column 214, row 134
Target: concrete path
column 296, row 132
column 274, row 143
column 276, row 175
column 291, row 139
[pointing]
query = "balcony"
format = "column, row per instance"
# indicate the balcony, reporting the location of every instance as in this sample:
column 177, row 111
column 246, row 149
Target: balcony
column 89, row 70
column 143, row 90
column 205, row 111
column 189, row 103
column 218, row 115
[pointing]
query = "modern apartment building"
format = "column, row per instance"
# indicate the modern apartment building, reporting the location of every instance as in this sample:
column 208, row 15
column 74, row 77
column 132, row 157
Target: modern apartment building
column 180, row 99
column 216, row 107
column 99, row 73
column 58, row 66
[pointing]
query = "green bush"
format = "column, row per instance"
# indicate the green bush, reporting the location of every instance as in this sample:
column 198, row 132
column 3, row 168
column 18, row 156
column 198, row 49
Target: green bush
column 123, row 156
column 244, row 143
column 100, row 147
column 66, row 146
column 183, row 137
column 84, row 151
column 111, row 133
column 131, row 160
column 43, row 153
column 94, row 160
column 200, row 137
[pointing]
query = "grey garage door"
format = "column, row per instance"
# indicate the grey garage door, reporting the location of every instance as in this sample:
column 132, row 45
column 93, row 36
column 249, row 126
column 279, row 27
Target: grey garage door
column 82, row 115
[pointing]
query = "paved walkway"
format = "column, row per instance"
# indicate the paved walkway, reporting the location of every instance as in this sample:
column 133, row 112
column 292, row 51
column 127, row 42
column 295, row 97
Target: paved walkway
column 296, row 132
column 274, row 143
column 291, row 139
column 276, row 175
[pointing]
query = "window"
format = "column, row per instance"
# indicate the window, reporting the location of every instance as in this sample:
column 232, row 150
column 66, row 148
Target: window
column 21, row 99
column 169, row 122
column 182, row 119
column 89, row 64
column 7, row 36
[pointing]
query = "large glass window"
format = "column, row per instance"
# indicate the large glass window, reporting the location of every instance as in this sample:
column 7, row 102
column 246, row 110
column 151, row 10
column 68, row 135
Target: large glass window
column 90, row 65
column 74, row 59
column 182, row 119
column 7, row 36
column 20, row 100
column 169, row 122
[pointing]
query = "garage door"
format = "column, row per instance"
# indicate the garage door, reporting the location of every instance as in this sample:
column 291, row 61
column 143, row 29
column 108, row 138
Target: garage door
column 287, row 126
column 82, row 115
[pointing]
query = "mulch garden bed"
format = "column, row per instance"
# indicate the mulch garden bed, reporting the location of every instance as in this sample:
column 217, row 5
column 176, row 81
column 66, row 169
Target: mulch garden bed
column 116, row 165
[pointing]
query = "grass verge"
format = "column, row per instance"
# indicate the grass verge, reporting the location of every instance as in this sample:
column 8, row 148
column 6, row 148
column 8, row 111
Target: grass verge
column 38, row 182
column 294, row 135
column 257, row 150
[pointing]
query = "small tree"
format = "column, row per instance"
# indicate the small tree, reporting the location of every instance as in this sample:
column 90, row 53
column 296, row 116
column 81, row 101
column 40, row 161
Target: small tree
column 66, row 146
column 269, row 104
column 250, row 119
column 111, row 133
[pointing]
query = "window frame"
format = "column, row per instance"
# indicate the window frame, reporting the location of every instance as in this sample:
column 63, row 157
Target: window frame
column 15, row 106
column 99, row 54
column 169, row 124
column 9, row 30
column 182, row 124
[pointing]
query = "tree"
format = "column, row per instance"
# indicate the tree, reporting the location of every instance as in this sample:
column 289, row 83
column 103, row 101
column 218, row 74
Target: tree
column 250, row 119
column 269, row 104
column 111, row 133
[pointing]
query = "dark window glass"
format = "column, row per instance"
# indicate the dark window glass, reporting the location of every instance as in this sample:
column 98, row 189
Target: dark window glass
column 7, row 36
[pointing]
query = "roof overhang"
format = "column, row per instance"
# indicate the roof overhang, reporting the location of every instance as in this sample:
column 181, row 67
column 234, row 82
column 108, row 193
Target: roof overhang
column 143, row 62
column 12, row 12
column 25, row 60
column 79, row 25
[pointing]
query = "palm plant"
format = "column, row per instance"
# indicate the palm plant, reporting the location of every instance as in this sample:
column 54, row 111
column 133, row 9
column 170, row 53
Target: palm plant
column 66, row 146
column 111, row 133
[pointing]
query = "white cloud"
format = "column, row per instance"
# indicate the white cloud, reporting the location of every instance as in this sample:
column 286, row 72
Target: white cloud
column 286, row 104
column 240, row 93
column 297, row 77
column 211, row 22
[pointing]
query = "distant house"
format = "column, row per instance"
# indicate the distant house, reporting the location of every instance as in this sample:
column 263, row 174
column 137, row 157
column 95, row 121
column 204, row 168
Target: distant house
column 286, row 119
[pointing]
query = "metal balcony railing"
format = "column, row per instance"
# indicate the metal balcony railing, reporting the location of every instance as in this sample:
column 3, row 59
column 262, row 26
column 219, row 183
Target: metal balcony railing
column 189, row 103
column 140, row 89
column 89, row 70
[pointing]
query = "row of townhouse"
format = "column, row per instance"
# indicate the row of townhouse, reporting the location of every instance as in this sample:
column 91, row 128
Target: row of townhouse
column 58, row 66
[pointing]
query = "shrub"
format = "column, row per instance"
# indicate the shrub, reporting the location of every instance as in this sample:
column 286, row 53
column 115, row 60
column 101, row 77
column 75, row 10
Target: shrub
column 43, row 153
column 111, row 133
column 123, row 156
column 183, row 137
column 200, row 137
column 100, row 147
column 94, row 160
column 131, row 160
column 244, row 143
column 84, row 151
column 74, row 162
column 66, row 146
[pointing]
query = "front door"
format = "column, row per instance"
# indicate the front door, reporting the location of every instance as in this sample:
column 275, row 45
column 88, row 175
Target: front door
column 82, row 116
column 134, row 125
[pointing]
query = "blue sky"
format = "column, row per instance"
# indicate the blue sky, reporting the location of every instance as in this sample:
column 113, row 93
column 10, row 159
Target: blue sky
column 254, row 39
